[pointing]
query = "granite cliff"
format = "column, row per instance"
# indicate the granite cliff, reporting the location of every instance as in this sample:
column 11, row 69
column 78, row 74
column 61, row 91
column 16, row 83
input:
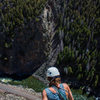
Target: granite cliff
column 32, row 45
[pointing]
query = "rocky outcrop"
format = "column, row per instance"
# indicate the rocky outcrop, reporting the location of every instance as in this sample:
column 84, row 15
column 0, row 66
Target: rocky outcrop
column 6, row 96
column 9, row 92
column 50, row 16
column 28, row 50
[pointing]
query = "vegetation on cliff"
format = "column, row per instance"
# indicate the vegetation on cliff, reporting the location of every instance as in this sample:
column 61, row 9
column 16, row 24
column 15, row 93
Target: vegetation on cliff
column 80, row 58
column 78, row 20
column 19, row 20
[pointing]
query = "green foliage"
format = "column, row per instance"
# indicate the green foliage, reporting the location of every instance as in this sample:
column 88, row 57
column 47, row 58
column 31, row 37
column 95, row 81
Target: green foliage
column 20, row 12
column 30, row 82
column 80, row 68
column 78, row 95
column 81, row 40
column 96, row 80
column 15, row 15
column 70, row 70
column 79, row 76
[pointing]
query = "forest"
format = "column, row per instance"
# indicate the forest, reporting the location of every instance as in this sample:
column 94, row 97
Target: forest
column 14, row 15
column 19, row 27
column 80, row 23
column 80, row 59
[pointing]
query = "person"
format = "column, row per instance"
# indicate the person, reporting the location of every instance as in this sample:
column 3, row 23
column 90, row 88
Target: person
column 56, row 89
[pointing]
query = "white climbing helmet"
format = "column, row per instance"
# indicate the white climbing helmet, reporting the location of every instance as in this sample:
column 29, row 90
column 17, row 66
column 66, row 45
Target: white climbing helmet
column 52, row 72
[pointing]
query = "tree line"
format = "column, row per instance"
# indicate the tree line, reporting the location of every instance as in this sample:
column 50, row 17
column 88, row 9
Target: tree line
column 80, row 24
column 15, row 15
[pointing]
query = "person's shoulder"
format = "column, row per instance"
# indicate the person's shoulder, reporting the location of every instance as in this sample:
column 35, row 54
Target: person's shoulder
column 44, row 91
column 65, row 85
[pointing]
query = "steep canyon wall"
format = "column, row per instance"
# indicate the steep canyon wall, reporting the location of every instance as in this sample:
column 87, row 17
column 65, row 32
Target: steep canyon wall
column 34, row 45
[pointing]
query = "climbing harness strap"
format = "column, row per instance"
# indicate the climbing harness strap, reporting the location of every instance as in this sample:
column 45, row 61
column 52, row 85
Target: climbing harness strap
column 61, row 96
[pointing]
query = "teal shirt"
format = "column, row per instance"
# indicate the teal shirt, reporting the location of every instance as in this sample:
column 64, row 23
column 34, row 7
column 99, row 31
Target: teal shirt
column 55, row 96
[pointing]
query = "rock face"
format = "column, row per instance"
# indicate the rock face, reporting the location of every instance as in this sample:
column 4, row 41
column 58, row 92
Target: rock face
column 27, row 52
column 50, row 16
column 34, row 46
column 18, row 93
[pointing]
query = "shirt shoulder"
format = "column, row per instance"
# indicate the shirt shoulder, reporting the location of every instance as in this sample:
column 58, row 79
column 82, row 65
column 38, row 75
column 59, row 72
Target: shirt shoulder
column 49, row 89
column 66, row 86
